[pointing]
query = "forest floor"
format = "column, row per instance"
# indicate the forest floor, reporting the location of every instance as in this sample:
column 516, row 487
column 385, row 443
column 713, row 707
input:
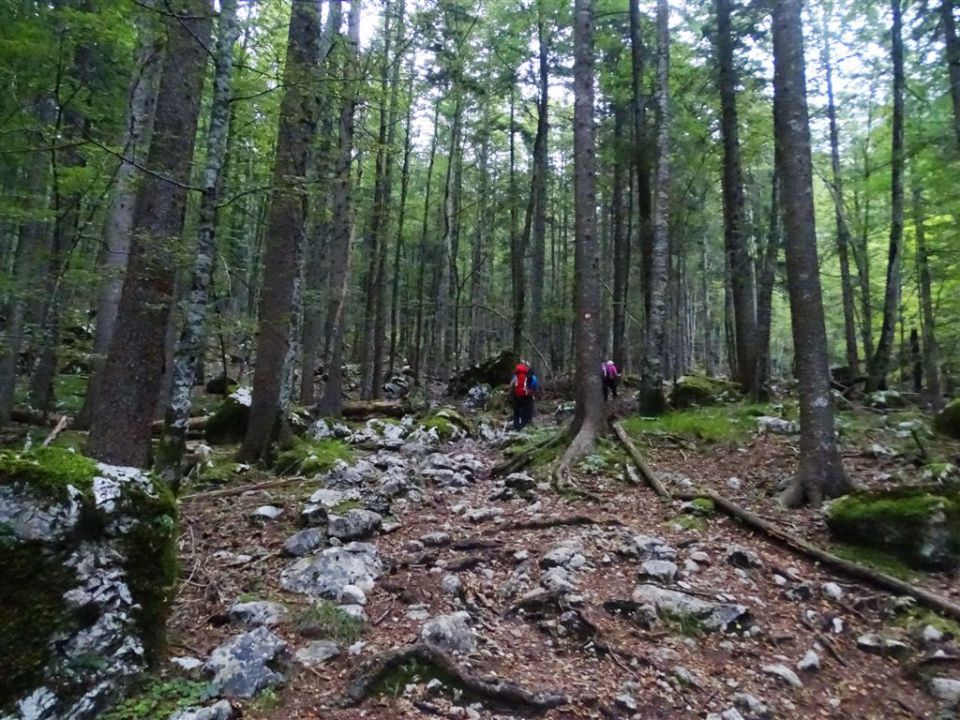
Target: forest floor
column 588, row 642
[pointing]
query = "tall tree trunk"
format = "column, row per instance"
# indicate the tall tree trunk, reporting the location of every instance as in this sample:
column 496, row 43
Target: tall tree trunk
column 517, row 246
column 188, row 357
column 734, row 221
column 448, row 242
column 589, row 418
column 621, row 242
column 931, row 369
column 843, row 231
column 880, row 362
column 652, row 401
column 332, row 401
column 820, row 474
column 768, row 274
column 709, row 365
column 423, row 253
column 477, row 270
column 370, row 380
column 642, row 155
column 124, row 411
column 118, row 227
column 280, row 289
column 398, row 247
column 539, row 181
column 861, row 254
column 31, row 239
column 953, row 59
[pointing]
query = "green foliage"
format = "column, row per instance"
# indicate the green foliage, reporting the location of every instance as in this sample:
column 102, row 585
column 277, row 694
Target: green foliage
column 48, row 470
column 876, row 559
column 682, row 623
column 699, row 390
column 702, row 506
column 310, row 457
column 728, row 424
column 688, row 522
column 413, row 671
column 326, row 621
column 156, row 697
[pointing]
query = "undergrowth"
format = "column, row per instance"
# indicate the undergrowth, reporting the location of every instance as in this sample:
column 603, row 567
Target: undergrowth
column 326, row 621
column 724, row 423
column 310, row 457
column 158, row 698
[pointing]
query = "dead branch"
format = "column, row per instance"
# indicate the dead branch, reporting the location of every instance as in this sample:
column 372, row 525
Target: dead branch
column 227, row 492
column 638, row 460
column 572, row 520
column 61, row 424
column 372, row 671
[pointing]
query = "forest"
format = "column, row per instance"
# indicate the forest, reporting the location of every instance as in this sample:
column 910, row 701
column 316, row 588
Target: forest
column 274, row 275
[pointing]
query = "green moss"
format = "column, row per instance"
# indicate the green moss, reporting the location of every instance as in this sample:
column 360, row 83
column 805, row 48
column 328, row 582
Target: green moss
column 228, row 424
column 900, row 522
column 876, row 559
column 150, row 552
column 727, row 424
column 700, row 390
column 702, row 506
column 921, row 617
column 311, row 457
column 48, row 470
column 947, row 421
column 347, row 506
column 414, row 671
column 31, row 611
column 688, row 522
column 155, row 697
column 326, row 621
column 682, row 624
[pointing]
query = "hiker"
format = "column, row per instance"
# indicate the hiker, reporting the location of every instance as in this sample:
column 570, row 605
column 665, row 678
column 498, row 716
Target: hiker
column 610, row 375
column 523, row 385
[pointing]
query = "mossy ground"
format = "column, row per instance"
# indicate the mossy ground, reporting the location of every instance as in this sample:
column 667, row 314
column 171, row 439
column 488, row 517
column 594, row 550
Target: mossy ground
column 734, row 423
column 876, row 559
column 394, row 681
column 157, row 697
column 700, row 390
column 228, row 423
column 309, row 457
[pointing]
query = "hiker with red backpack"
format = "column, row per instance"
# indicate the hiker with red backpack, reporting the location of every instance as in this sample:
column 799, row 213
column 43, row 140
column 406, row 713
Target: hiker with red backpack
column 523, row 386
column 610, row 374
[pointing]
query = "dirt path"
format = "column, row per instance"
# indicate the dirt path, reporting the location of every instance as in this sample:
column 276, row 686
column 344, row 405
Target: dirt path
column 552, row 606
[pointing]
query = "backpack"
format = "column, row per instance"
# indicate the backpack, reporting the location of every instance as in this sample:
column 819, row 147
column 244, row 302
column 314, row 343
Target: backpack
column 521, row 382
column 609, row 370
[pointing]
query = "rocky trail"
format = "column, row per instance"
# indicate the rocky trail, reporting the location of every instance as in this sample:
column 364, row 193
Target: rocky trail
column 416, row 584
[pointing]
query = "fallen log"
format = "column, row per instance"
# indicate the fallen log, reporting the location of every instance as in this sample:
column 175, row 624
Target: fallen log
column 791, row 542
column 638, row 460
column 29, row 416
column 362, row 409
column 240, row 489
column 371, row 672
column 521, row 460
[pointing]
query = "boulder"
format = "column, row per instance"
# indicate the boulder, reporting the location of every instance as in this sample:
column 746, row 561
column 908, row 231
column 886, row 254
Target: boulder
column 886, row 400
column 88, row 565
column 356, row 524
column 397, row 387
column 257, row 613
column 493, row 371
column 244, row 665
column 478, row 396
column 222, row 710
column 450, row 633
column 947, row 421
column 326, row 573
column 945, row 689
column 318, row 652
column 699, row 390
column 305, row 541
column 920, row 526
column 714, row 617
column 228, row 423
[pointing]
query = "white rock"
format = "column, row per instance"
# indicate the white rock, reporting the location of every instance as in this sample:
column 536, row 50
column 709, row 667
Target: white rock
column 810, row 662
column 945, row 689
column 930, row 634
column 352, row 595
column 784, row 673
column 832, row 591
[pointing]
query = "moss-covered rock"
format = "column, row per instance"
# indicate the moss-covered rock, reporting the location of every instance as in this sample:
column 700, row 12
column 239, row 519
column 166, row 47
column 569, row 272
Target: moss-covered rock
column 311, row 457
column 920, row 526
column 228, row 423
column 947, row 421
column 448, row 423
column 494, row 370
column 87, row 570
column 701, row 390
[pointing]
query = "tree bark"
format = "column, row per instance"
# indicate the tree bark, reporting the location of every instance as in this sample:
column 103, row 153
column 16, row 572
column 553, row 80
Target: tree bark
column 538, row 187
column 931, row 354
column 953, row 60
column 118, row 228
column 517, row 248
column 422, row 260
column 880, row 362
column 642, row 155
column 124, row 411
column 652, row 400
column 331, row 403
column 189, row 353
column 280, row 288
column 820, row 474
column 843, row 231
column 768, row 273
column 734, row 220
column 621, row 243
column 589, row 418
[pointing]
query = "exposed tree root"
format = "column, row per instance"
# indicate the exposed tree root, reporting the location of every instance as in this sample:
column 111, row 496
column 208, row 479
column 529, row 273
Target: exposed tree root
column 791, row 542
column 521, row 460
column 638, row 460
column 581, row 445
column 572, row 520
column 504, row 692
